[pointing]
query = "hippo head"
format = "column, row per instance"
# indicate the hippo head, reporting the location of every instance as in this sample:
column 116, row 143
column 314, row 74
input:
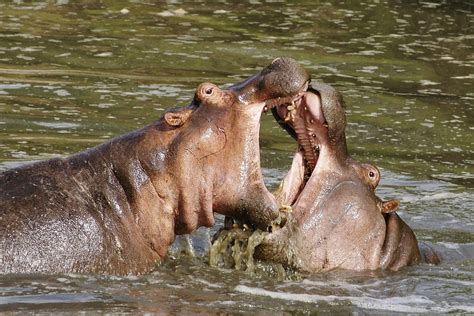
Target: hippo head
column 335, row 219
column 216, row 146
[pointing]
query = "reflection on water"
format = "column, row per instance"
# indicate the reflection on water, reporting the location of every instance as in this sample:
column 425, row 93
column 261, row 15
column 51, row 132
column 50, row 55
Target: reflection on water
column 75, row 73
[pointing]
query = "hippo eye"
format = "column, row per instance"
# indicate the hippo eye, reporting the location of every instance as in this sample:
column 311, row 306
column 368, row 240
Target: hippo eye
column 371, row 174
column 209, row 91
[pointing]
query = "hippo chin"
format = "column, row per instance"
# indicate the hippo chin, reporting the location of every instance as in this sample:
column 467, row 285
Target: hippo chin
column 337, row 221
column 117, row 207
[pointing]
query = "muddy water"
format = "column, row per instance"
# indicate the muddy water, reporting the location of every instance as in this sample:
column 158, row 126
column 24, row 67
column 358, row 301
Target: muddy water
column 76, row 73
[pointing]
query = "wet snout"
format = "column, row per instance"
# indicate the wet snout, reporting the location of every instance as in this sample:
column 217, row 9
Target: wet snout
column 282, row 78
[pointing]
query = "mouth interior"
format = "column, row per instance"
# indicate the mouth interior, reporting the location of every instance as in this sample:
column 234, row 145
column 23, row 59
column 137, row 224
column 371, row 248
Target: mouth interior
column 304, row 120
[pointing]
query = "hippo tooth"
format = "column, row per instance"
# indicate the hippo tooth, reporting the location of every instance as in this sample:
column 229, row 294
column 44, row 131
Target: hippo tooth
column 308, row 154
column 285, row 208
column 307, row 143
column 301, row 132
column 290, row 107
column 303, row 140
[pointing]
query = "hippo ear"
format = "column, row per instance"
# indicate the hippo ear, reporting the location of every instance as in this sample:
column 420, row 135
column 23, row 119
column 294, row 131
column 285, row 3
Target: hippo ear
column 390, row 206
column 177, row 119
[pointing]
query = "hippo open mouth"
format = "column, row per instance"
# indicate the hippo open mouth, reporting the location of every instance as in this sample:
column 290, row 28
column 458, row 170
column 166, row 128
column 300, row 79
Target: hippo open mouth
column 304, row 119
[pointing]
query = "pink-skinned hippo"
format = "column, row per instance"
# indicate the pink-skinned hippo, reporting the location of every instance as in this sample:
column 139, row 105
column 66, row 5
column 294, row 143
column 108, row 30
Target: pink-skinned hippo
column 116, row 208
column 337, row 221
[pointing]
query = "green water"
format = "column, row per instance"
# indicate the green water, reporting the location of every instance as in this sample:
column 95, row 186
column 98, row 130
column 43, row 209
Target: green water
column 76, row 73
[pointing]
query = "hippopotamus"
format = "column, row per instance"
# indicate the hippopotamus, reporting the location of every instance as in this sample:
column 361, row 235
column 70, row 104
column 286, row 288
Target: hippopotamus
column 336, row 219
column 116, row 208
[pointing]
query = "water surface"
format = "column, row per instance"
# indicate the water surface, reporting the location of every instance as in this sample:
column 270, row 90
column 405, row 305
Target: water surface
column 76, row 73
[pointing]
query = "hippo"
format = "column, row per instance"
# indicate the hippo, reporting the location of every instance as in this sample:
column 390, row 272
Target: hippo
column 116, row 208
column 336, row 219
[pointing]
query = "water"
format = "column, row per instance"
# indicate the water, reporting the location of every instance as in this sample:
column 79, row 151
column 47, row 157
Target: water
column 76, row 73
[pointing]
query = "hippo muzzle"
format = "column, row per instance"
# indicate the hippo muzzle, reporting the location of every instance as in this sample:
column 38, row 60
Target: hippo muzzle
column 282, row 78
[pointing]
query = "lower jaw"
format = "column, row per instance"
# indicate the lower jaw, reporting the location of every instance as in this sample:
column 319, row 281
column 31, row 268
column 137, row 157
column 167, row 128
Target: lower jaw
column 295, row 180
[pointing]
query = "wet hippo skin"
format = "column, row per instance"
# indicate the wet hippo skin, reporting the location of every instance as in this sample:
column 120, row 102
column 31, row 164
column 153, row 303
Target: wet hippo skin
column 115, row 208
column 337, row 221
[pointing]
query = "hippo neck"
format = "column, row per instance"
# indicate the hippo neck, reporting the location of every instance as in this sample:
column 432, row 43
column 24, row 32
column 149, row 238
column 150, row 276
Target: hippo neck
column 130, row 171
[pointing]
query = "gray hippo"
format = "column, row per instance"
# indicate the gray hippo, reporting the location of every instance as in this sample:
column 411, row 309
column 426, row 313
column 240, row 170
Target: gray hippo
column 117, row 207
column 337, row 221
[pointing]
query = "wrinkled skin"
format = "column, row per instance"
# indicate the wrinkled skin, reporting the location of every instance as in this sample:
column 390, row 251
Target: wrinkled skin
column 337, row 221
column 117, row 207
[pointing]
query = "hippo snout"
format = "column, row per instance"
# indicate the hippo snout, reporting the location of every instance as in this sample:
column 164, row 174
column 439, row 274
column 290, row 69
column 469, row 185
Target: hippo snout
column 283, row 77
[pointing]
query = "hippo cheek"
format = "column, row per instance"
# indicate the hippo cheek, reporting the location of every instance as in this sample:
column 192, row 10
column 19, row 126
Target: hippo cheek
column 208, row 146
